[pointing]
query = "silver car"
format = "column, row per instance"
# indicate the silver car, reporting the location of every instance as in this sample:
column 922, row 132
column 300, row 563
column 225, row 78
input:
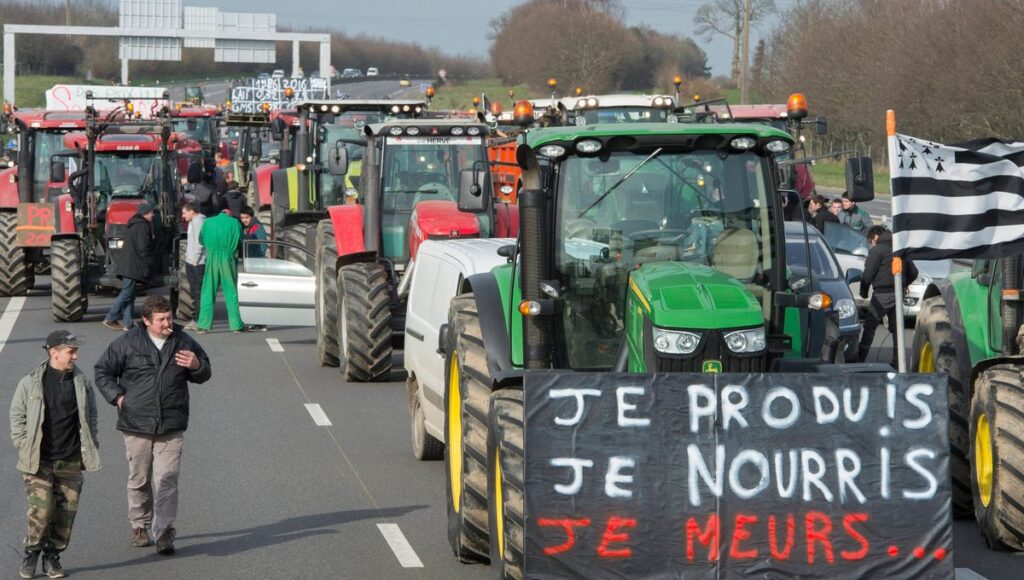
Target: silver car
column 851, row 249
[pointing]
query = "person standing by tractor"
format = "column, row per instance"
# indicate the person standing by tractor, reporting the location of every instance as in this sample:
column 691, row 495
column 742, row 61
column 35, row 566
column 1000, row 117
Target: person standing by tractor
column 819, row 213
column 221, row 236
column 195, row 255
column 853, row 216
column 145, row 374
column 133, row 267
column 54, row 428
column 252, row 229
column 878, row 276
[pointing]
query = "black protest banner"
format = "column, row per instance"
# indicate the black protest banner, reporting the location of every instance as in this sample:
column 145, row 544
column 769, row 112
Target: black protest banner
column 249, row 96
column 729, row 476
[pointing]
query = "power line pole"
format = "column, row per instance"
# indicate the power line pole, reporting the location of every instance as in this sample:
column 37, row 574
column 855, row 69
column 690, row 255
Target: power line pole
column 745, row 65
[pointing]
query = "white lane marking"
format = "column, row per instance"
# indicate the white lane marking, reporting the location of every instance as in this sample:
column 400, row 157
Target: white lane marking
column 967, row 574
column 400, row 546
column 275, row 345
column 9, row 317
column 318, row 415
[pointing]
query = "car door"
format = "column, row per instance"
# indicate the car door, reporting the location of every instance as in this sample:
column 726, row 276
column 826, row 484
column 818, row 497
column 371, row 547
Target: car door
column 274, row 291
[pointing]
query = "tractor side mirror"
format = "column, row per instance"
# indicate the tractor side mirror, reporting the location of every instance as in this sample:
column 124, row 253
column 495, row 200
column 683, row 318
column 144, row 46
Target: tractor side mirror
column 337, row 161
column 255, row 146
column 57, row 171
column 821, row 126
column 860, row 179
column 472, row 190
column 853, row 275
column 277, row 129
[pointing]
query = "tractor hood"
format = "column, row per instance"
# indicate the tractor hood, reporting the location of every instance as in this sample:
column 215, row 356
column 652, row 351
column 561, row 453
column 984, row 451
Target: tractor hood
column 121, row 210
column 693, row 296
column 436, row 219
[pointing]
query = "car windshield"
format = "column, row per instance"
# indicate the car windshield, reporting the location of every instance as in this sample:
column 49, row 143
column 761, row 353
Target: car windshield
column 625, row 115
column 197, row 128
column 822, row 263
column 846, row 240
column 701, row 208
column 127, row 175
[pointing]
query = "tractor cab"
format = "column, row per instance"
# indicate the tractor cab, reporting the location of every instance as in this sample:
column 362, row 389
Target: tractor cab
column 593, row 109
column 40, row 135
column 420, row 166
column 198, row 123
column 654, row 227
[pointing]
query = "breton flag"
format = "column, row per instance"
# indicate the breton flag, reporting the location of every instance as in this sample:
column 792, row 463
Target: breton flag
column 956, row 201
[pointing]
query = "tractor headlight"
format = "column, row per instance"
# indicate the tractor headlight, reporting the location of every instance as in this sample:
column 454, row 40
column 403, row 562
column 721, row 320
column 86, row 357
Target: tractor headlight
column 675, row 341
column 395, row 131
column 115, row 244
column 588, row 146
column 746, row 341
column 412, row 131
column 743, row 143
column 458, row 131
column 777, row 146
column 473, row 131
column 845, row 308
column 552, row 151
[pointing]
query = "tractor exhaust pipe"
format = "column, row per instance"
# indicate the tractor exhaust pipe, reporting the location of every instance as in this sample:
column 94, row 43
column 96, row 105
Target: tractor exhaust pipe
column 370, row 194
column 301, row 154
column 536, row 329
column 1011, row 304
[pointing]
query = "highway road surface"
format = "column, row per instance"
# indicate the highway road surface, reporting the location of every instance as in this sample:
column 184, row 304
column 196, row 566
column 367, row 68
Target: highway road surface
column 287, row 471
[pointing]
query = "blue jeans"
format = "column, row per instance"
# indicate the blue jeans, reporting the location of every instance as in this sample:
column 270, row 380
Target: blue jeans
column 124, row 306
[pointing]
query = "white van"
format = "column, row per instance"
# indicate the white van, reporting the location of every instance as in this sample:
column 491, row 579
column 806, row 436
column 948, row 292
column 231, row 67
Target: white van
column 372, row 71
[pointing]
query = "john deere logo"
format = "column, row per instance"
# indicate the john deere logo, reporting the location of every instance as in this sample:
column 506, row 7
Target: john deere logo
column 712, row 366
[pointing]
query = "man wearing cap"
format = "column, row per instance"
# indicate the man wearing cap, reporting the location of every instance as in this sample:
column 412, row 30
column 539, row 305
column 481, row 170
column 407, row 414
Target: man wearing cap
column 132, row 267
column 53, row 427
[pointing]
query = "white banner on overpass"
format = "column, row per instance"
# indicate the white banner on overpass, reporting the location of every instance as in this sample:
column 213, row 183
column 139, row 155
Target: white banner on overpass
column 146, row 100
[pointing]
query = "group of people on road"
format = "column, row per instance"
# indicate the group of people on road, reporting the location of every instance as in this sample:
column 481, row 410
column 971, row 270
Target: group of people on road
column 838, row 210
column 213, row 242
column 53, row 416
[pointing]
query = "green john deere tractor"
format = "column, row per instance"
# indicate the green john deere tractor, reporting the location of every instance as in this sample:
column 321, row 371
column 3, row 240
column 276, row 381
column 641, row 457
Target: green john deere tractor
column 969, row 327
column 643, row 248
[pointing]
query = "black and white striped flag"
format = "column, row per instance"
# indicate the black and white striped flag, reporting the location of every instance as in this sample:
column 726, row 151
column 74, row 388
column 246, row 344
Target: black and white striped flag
column 957, row 201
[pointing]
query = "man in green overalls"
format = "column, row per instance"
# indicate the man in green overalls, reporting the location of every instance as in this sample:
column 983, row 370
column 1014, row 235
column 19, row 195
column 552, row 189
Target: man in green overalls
column 220, row 236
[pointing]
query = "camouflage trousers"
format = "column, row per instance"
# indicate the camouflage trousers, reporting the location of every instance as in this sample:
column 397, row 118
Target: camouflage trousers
column 52, row 503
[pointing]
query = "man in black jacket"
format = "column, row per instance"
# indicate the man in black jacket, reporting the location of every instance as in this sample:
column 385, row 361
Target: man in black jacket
column 132, row 267
column 878, row 276
column 145, row 372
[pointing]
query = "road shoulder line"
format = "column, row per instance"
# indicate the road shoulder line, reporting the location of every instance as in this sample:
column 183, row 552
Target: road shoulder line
column 400, row 546
column 318, row 415
column 9, row 317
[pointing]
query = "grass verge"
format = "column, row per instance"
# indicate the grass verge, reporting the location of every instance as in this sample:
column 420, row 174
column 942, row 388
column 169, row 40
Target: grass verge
column 833, row 174
column 30, row 90
column 461, row 96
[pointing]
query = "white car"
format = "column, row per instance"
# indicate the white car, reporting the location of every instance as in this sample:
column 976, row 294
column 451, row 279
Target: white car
column 372, row 71
column 441, row 267
column 851, row 249
column 274, row 291
column 277, row 74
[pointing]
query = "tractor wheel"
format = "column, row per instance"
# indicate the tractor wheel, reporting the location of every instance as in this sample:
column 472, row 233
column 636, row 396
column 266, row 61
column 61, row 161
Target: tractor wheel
column 302, row 236
column 425, row 446
column 467, row 396
column 997, row 456
column 185, row 308
column 364, row 323
column 14, row 270
column 505, row 470
column 326, row 295
column 69, row 300
column 933, row 352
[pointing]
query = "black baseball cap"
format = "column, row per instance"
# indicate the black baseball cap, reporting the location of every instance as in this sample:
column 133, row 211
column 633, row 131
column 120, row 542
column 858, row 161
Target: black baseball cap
column 62, row 338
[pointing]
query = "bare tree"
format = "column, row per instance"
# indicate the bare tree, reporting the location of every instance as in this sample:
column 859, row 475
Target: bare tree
column 725, row 18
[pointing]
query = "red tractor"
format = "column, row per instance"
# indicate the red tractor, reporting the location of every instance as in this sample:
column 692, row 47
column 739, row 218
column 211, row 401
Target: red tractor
column 124, row 163
column 412, row 173
column 199, row 124
column 29, row 202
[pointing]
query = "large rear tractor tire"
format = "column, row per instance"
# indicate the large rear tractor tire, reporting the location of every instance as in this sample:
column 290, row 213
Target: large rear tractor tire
column 506, row 457
column 185, row 307
column 15, row 276
column 69, row 301
column 302, row 236
column 364, row 323
column 934, row 352
column 425, row 446
column 326, row 295
column 997, row 456
column 467, row 396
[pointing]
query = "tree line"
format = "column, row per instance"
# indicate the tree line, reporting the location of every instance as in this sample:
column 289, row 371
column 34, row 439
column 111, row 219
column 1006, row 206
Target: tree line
column 950, row 69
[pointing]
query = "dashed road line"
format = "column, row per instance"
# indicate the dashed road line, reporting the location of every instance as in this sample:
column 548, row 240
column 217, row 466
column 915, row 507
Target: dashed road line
column 400, row 546
column 9, row 317
column 318, row 415
column 275, row 345
column 967, row 574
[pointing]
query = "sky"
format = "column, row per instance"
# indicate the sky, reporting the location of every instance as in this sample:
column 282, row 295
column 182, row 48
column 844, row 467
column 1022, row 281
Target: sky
column 460, row 27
